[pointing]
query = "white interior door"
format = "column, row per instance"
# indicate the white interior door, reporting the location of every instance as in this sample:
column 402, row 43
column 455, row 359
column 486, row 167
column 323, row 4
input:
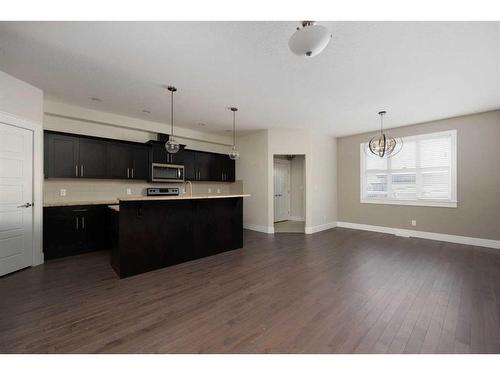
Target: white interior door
column 16, row 197
column 281, row 190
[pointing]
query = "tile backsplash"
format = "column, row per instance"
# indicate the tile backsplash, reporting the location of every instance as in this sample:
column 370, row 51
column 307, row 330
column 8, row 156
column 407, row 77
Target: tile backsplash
column 91, row 189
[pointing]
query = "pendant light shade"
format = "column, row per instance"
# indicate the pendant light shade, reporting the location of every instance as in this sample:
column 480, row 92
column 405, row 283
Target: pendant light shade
column 383, row 145
column 171, row 145
column 310, row 40
column 234, row 154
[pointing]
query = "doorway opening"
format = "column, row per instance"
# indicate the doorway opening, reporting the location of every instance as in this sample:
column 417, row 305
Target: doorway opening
column 289, row 193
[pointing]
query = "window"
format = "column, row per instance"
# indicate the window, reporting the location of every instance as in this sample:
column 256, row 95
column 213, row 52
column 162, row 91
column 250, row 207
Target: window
column 423, row 173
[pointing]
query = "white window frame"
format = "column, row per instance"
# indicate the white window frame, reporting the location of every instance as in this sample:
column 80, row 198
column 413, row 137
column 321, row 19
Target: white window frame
column 452, row 202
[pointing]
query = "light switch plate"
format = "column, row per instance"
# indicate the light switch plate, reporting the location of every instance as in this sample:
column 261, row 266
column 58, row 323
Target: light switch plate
column 414, row 223
column 218, row 191
column 62, row 192
column 209, row 190
column 129, row 191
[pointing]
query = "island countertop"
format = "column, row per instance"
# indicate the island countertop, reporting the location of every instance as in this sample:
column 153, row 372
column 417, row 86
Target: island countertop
column 179, row 197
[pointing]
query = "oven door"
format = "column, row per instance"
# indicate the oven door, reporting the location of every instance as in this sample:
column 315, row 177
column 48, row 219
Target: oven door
column 167, row 173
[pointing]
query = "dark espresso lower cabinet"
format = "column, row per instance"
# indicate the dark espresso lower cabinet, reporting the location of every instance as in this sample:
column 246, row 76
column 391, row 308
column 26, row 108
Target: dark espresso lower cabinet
column 74, row 230
column 153, row 234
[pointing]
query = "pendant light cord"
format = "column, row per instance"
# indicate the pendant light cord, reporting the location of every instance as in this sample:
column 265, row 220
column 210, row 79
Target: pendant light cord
column 234, row 130
column 172, row 114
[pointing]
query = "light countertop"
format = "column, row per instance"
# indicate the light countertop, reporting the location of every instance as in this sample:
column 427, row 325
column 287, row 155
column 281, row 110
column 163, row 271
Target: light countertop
column 80, row 203
column 180, row 197
column 112, row 202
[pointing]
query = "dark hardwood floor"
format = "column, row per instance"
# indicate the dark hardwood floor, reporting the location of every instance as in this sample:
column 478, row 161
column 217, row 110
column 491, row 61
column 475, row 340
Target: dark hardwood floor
column 338, row 291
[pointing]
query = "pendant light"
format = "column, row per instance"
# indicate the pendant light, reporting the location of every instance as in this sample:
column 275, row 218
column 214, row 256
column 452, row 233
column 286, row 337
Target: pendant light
column 234, row 154
column 310, row 40
column 171, row 145
column 383, row 145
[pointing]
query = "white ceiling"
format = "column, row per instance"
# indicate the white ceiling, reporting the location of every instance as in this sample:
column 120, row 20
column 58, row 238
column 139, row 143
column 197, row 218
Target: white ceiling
column 417, row 71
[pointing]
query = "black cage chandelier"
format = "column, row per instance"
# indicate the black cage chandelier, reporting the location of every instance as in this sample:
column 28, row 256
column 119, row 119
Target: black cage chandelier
column 383, row 145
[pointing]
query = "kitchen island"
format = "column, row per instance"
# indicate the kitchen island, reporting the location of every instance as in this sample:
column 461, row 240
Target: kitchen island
column 155, row 232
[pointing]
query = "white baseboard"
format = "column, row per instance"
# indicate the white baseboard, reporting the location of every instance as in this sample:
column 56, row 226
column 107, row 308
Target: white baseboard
column 259, row 228
column 296, row 218
column 321, row 227
column 420, row 234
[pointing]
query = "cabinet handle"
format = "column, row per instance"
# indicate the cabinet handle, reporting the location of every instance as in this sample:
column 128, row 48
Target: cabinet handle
column 76, row 170
column 77, row 223
column 81, row 170
column 83, row 222
column 132, row 172
column 128, row 172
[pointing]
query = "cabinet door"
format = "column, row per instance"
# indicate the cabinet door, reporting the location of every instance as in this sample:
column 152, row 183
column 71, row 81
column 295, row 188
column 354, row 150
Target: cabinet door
column 217, row 165
column 190, row 171
column 158, row 153
column 178, row 157
column 61, row 156
column 92, row 158
column 140, row 164
column 118, row 160
column 204, row 162
column 229, row 169
column 93, row 227
column 60, row 233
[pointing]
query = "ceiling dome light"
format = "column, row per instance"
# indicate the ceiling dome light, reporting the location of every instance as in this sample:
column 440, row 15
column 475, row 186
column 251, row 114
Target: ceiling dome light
column 383, row 145
column 310, row 40
column 171, row 145
column 234, row 154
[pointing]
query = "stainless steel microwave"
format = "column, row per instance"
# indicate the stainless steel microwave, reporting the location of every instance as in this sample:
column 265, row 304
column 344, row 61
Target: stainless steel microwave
column 167, row 172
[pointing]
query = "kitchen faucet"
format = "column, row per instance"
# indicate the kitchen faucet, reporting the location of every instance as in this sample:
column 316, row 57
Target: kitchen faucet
column 187, row 182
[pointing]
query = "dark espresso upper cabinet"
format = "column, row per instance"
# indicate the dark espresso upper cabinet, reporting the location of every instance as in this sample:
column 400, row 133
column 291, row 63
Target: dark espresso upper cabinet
column 68, row 155
column 92, row 157
column 61, row 155
column 208, row 166
column 127, row 161
column 77, row 156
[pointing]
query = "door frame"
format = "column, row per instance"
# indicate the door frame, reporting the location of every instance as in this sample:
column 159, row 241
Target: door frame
column 288, row 165
column 37, row 179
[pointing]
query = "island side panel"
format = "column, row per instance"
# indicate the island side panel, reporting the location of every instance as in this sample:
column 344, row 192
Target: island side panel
column 155, row 234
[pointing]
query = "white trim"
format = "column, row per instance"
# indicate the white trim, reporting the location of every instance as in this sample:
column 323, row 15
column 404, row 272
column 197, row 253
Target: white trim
column 296, row 218
column 320, row 228
column 450, row 203
column 484, row 242
column 426, row 203
column 37, row 130
column 259, row 228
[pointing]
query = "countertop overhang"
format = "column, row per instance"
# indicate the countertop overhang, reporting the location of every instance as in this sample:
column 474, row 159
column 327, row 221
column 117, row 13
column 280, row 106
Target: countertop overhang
column 180, row 197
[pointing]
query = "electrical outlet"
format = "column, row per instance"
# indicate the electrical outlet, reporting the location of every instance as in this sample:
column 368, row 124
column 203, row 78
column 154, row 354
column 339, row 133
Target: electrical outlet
column 129, row 191
column 218, row 191
column 414, row 223
column 209, row 190
column 62, row 192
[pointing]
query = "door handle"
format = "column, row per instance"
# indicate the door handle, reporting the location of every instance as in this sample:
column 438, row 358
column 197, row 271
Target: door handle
column 26, row 205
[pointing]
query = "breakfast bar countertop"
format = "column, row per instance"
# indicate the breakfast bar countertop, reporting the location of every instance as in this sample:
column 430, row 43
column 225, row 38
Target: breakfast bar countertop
column 179, row 197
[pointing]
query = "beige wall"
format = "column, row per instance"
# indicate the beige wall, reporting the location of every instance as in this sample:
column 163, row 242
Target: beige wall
column 478, row 182
column 255, row 169
column 251, row 169
column 130, row 129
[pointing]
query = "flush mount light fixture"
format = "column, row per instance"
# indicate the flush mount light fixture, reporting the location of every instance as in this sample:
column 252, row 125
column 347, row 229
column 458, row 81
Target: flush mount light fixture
column 171, row 145
column 310, row 40
column 383, row 145
column 234, row 154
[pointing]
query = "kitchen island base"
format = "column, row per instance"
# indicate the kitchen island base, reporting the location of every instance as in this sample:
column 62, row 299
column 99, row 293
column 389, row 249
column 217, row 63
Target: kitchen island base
column 152, row 234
